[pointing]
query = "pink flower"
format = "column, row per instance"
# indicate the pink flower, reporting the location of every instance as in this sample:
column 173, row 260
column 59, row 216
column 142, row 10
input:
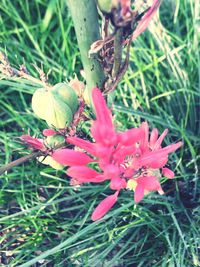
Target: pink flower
column 133, row 159
column 144, row 22
column 33, row 142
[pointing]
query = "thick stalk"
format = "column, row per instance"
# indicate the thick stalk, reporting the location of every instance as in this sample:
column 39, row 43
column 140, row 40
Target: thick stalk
column 85, row 17
column 118, row 46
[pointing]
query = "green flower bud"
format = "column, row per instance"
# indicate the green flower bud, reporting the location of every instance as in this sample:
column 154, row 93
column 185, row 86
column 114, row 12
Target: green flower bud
column 107, row 5
column 67, row 94
column 58, row 113
column 40, row 99
column 55, row 140
column 48, row 160
column 51, row 108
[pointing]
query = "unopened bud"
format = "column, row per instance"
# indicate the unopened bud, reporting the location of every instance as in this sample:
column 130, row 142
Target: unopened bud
column 51, row 108
column 55, row 140
column 67, row 94
column 106, row 6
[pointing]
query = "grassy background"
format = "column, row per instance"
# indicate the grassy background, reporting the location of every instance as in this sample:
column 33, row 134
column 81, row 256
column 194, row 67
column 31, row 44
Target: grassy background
column 45, row 222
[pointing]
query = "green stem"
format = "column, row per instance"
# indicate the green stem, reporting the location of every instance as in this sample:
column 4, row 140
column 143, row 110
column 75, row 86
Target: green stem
column 117, row 52
column 85, row 17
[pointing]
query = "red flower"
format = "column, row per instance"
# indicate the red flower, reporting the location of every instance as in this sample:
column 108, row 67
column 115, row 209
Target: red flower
column 131, row 159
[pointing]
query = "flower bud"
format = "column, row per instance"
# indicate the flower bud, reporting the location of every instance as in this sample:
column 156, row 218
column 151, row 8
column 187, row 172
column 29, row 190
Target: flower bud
column 67, row 94
column 55, row 140
column 40, row 99
column 106, row 6
column 58, row 113
column 52, row 108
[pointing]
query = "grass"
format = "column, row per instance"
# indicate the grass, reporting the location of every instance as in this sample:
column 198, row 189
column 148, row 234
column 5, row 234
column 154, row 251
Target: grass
column 44, row 221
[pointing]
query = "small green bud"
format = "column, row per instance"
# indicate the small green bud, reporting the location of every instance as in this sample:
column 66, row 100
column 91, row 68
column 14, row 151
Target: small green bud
column 67, row 94
column 106, row 6
column 55, row 140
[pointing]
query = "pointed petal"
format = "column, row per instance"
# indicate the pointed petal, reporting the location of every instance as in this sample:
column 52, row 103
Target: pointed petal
column 151, row 160
column 139, row 193
column 163, row 152
column 117, row 183
column 111, row 171
column 160, row 139
column 103, row 151
column 143, row 24
column 168, row 173
column 171, row 148
column 122, row 152
column 103, row 134
column 70, row 157
column 149, row 183
column 103, row 114
column 153, row 137
column 104, row 206
column 158, row 163
column 48, row 132
column 83, row 174
column 144, row 146
column 130, row 137
column 86, row 145
column 33, row 142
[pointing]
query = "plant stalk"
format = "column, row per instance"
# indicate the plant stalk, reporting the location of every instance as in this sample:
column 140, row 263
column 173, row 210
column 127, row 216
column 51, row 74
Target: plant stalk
column 18, row 162
column 85, row 18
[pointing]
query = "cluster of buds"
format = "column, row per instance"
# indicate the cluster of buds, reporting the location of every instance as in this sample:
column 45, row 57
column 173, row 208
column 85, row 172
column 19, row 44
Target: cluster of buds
column 128, row 160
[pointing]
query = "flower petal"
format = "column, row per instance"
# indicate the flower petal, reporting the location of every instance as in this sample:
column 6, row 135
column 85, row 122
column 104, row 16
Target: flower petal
column 160, row 153
column 153, row 137
column 144, row 146
column 86, row 145
column 48, row 132
column 160, row 139
column 103, row 114
column 139, row 193
column 70, row 157
column 104, row 206
column 111, row 170
column 168, row 173
column 83, row 173
column 143, row 24
column 103, row 134
column 130, row 137
column 149, row 183
column 117, row 183
column 34, row 143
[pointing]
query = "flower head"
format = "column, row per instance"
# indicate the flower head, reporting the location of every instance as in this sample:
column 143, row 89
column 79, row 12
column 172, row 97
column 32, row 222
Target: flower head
column 133, row 159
